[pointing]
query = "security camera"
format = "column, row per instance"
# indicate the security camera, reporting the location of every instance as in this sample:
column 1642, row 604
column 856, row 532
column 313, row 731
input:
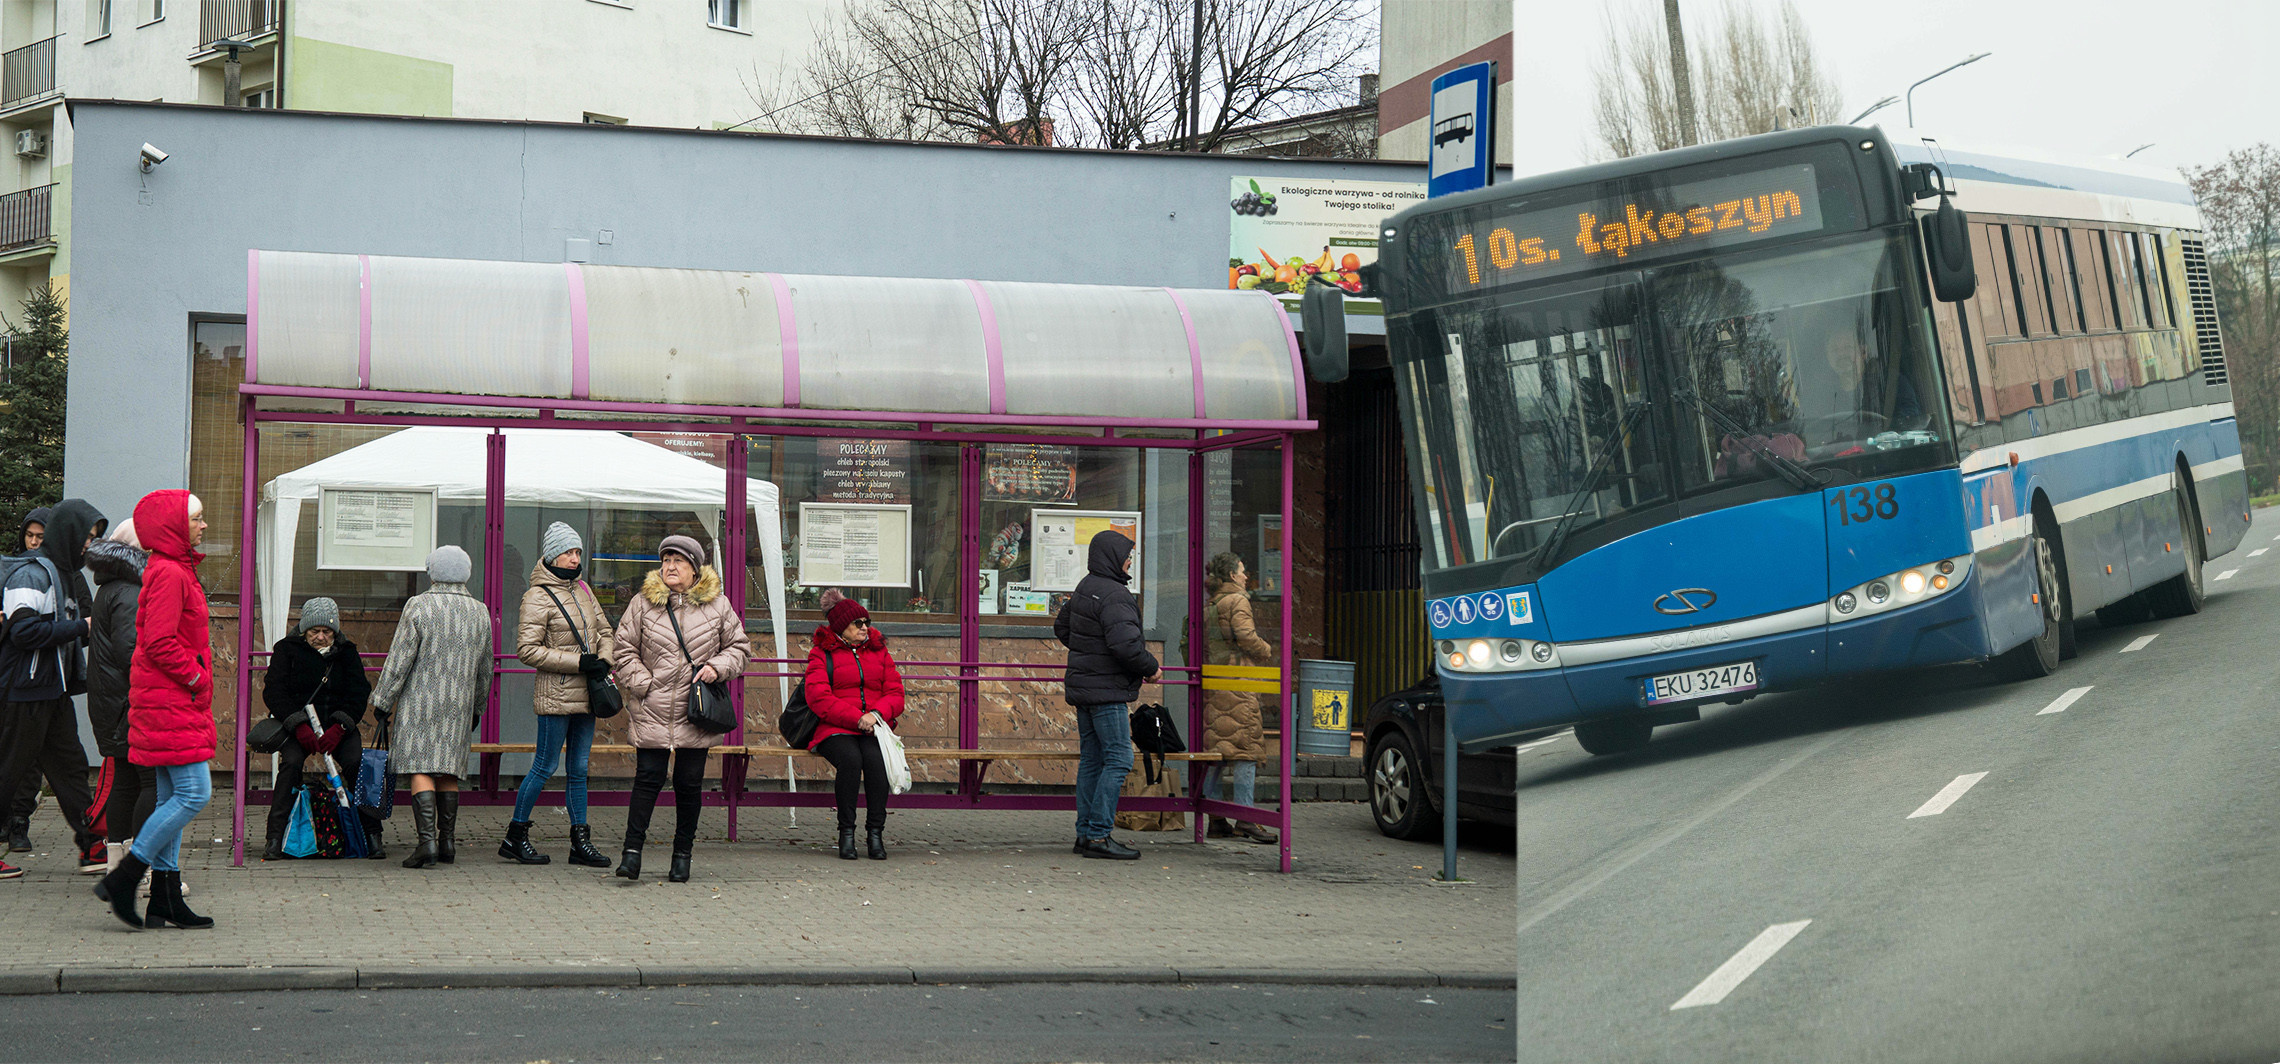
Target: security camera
column 151, row 156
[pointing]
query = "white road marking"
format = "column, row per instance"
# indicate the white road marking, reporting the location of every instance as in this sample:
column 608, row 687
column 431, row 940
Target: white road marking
column 2140, row 642
column 2258, row 552
column 1739, row 966
column 2227, row 574
column 2059, row 704
column 1947, row 796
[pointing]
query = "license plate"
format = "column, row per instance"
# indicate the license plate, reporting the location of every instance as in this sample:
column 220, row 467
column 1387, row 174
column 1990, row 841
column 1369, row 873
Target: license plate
column 1701, row 683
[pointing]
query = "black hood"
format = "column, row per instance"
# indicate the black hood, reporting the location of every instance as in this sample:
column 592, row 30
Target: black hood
column 67, row 531
column 111, row 560
column 39, row 516
column 1109, row 549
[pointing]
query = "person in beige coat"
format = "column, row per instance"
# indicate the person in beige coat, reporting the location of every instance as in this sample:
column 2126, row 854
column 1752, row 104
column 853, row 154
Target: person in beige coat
column 562, row 633
column 680, row 602
column 1233, row 728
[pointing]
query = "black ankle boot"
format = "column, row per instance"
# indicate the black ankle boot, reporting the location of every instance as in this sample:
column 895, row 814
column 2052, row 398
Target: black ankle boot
column 372, row 841
column 518, row 849
column 680, row 870
column 447, row 827
column 846, row 844
column 875, row 841
column 166, row 906
column 423, row 822
column 582, row 851
column 274, row 849
column 629, row 866
column 118, row 888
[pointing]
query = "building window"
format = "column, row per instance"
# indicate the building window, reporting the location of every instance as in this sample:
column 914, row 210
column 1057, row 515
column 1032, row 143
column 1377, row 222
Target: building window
column 593, row 119
column 98, row 19
column 264, row 97
column 727, row 14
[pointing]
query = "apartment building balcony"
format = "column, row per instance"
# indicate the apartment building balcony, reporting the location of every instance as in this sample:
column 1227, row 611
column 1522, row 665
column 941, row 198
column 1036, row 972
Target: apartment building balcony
column 254, row 22
column 27, row 78
column 25, row 229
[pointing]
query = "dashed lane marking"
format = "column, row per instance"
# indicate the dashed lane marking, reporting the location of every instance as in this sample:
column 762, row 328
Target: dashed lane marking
column 2227, row 574
column 1948, row 795
column 1738, row 967
column 2258, row 552
column 2140, row 642
column 2059, row 704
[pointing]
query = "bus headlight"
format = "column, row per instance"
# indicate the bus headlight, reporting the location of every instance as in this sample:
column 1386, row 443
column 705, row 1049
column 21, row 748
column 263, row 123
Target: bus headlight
column 1543, row 652
column 1510, row 651
column 1904, row 588
column 1477, row 653
column 1476, row 656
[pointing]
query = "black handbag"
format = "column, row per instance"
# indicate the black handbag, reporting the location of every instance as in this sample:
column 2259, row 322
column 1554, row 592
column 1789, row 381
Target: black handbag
column 1153, row 733
column 709, row 708
column 798, row 723
column 603, row 699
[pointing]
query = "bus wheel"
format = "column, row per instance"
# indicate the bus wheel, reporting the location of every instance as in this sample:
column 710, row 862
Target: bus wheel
column 2038, row 657
column 1618, row 736
column 1400, row 799
column 2181, row 595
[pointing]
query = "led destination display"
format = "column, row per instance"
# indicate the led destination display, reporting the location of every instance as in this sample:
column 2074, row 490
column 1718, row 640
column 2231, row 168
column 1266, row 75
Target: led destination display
column 1492, row 248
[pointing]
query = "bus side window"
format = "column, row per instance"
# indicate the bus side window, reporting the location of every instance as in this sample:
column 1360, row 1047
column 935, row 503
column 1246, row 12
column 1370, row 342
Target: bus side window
column 2164, row 292
column 2034, row 312
column 2091, row 281
column 2126, row 289
column 2058, row 282
column 1996, row 307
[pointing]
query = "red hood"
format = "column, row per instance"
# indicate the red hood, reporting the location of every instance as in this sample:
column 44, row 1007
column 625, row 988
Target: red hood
column 829, row 640
column 162, row 520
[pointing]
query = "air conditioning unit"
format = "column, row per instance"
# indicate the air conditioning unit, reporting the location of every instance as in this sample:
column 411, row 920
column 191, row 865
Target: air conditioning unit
column 31, row 144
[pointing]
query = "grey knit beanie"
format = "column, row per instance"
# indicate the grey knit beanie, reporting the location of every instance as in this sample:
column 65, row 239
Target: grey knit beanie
column 559, row 537
column 449, row 565
column 319, row 613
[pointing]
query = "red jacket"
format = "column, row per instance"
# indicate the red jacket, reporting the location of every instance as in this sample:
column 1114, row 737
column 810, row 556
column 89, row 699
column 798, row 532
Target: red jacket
column 859, row 680
column 170, row 695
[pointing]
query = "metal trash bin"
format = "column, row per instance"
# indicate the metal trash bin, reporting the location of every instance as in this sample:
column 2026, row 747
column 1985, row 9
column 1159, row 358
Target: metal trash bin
column 1325, row 708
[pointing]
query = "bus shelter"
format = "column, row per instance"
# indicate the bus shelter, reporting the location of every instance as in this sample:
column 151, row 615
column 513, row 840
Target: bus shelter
column 941, row 450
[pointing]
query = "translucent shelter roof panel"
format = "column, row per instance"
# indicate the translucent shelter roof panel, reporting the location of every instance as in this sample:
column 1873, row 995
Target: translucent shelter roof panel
column 622, row 337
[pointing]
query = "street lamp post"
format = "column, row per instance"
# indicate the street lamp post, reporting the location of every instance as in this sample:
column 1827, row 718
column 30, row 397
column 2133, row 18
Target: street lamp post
column 1873, row 108
column 1912, row 88
column 2139, row 148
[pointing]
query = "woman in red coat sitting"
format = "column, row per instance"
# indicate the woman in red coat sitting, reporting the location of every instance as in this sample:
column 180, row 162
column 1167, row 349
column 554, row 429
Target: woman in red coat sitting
column 853, row 688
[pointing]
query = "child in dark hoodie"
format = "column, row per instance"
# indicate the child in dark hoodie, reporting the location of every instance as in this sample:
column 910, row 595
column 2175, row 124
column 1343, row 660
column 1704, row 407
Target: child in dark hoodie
column 43, row 664
column 30, row 535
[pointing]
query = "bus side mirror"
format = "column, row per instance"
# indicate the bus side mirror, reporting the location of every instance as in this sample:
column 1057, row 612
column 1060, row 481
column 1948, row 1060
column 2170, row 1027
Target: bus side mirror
column 1947, row 244
column 1322, row 313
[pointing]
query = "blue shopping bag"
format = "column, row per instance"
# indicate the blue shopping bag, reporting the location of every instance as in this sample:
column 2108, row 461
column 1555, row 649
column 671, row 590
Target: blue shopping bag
column 376, row 779
column 301, row 831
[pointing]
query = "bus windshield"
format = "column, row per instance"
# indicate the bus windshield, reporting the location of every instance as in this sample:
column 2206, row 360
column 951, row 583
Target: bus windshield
column 1540, row 412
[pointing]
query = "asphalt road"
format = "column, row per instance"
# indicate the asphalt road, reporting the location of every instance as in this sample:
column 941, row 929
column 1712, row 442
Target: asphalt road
column 1932, row 867
column 945, row 1023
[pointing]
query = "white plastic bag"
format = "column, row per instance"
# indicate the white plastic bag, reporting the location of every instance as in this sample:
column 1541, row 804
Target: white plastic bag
column 891, row 751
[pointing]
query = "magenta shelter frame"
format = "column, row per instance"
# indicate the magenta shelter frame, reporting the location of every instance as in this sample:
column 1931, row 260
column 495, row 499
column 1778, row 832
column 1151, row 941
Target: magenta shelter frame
column 969, row 672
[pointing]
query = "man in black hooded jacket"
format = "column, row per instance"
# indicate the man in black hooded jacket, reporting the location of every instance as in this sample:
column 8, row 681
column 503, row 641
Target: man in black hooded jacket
column 43, row 662
column 26, row 801
column 1108, row 661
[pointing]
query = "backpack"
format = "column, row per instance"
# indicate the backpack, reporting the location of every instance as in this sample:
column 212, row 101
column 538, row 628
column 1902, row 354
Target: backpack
column 1154, row 733
column 798, row 723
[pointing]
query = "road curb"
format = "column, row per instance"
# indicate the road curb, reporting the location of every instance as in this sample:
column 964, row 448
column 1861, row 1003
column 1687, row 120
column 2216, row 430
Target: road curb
column 190, row 980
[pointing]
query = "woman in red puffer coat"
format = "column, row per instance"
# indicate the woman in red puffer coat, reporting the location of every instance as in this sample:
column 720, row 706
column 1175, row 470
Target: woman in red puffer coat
column 170, row 708
column 853, row 688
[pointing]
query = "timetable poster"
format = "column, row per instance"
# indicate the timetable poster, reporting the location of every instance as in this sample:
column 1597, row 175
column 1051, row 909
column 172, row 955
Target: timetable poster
column 1061, row 542
column 854, row 546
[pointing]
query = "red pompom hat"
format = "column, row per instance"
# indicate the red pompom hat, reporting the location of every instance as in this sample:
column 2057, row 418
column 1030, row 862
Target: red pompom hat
column 844, row 612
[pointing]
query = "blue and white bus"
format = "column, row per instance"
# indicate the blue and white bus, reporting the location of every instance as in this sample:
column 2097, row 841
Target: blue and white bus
column 1694, row 426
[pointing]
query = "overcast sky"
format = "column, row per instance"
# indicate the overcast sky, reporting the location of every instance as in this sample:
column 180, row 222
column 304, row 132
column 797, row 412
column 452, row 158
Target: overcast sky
column 2072, row 77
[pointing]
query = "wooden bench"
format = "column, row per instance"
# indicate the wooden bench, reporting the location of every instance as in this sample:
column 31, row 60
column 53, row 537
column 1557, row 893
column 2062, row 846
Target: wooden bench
column 986, row 757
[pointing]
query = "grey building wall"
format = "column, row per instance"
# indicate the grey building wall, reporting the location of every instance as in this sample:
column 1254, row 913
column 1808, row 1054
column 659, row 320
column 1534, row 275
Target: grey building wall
column 152, row 250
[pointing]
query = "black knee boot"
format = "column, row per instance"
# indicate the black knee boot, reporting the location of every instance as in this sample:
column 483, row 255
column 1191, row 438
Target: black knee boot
column 518, row 849
column 447, row 827
column 423, row 822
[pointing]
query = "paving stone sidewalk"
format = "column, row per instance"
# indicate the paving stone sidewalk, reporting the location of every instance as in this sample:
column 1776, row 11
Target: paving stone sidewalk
column 966, row 896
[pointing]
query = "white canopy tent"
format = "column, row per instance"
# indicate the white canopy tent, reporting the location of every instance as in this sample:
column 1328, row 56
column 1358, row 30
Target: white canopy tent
column 582, row 468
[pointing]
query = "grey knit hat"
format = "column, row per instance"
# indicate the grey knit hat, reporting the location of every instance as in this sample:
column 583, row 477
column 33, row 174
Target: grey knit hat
column 559, row 537
column 685, row 547
column 319, row 613
column 449, row 565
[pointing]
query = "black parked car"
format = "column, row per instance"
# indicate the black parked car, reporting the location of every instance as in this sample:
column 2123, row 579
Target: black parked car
column 1402, row 762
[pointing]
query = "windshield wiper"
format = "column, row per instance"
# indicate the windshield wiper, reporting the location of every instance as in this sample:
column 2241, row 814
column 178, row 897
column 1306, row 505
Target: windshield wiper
column 1574, row 505
column 1789, row 470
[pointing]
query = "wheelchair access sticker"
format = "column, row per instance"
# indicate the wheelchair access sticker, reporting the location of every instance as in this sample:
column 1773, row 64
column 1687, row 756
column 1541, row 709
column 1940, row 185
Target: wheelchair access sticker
column 1441, row 617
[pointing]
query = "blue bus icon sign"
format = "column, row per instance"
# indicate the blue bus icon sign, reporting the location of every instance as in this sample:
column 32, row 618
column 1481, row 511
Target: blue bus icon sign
column 1465, row 610
column 1440, row 613
column 1491, row 605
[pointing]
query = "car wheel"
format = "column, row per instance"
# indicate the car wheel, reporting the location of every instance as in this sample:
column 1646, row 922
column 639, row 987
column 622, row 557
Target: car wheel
column 1400, row 795
column 1619, row 736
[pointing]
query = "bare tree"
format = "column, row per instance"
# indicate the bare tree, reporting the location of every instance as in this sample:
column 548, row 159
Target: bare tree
column 2240, row 206
column 1099, row 73
column 1753, row 74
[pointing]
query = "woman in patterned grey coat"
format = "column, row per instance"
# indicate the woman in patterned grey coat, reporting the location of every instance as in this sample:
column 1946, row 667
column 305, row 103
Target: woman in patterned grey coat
column 437, row 678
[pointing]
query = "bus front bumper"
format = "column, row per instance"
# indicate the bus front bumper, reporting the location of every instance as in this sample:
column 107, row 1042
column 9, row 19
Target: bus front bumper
column 1490, row 709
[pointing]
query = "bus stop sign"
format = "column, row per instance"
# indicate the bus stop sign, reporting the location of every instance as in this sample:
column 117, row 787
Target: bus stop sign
column 1463, row 127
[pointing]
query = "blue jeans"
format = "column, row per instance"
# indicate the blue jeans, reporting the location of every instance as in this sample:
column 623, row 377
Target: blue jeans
column 1104, row 758
column 183, row 790
column 578, row 730
column 1242, row 779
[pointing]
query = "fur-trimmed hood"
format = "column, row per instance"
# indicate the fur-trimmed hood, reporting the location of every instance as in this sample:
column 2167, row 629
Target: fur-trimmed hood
column 111, row 560
column 706, row 590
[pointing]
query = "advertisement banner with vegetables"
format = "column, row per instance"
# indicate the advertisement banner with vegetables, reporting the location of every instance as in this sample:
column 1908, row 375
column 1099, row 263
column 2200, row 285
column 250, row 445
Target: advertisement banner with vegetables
column 1290, row 233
